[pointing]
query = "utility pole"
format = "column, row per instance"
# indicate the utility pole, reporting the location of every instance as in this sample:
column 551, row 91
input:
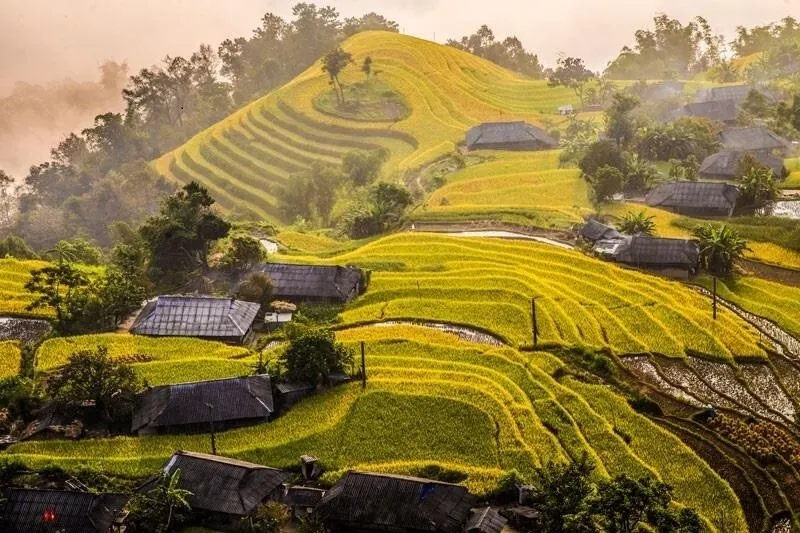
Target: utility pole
column 535, row 323
column 213, row 434
column 715, row 297
column 363, row 367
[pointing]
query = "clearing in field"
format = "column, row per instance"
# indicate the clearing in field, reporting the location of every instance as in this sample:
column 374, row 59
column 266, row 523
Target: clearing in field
column 426, row 390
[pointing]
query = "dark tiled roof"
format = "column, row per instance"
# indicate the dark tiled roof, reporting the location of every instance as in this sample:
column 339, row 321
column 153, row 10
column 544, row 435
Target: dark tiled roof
column 314, row 281
column 302, row 496
column 594, row 230
column 223, row 485
column 752, row 138
column 286, row 388
column 507, row 133
column 726, row 163
column 485, row 520
column 196, row 316
column 694, row 195
column 396, row 503
column 654, row 251
column 736, row 93
column 187, row 403
column 721, row 111
column 72, row 512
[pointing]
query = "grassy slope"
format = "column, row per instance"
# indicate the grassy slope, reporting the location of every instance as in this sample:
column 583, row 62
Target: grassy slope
column 244, row 158
column 421, row 380
column 488, row 284
column 9, row 358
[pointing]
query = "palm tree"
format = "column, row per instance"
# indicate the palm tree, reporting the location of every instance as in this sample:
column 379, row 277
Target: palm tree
column 637, row 223
column 720, row 247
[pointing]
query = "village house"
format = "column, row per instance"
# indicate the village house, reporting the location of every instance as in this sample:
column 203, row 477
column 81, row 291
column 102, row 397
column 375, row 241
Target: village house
column 697, row 198
column 594, row 231
column 223, row 490
column 753, row 139
column 34, row 510
column 519, row 136
column 364, row 502
column 724, row 165
column 314, row 283
column 193, row 407
column 733, row 93
column 676, row 258
column 205, row 317
column 725, row 111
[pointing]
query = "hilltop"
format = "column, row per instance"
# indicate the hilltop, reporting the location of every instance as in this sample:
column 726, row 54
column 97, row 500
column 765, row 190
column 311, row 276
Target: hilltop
column 247, row 157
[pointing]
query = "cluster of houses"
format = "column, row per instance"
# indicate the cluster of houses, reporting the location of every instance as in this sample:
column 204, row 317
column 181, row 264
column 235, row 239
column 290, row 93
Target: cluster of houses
column 225, row 491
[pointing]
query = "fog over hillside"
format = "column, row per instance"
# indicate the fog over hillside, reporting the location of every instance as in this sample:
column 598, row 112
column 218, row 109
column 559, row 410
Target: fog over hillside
column 43, row 41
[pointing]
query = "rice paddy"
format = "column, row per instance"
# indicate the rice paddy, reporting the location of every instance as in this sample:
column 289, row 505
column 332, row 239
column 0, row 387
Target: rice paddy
column 245, row 159
column 10, row 356
column 433, row 401
column 14, row 299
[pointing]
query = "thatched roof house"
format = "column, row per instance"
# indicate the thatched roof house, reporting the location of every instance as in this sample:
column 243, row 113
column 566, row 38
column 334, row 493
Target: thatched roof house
column 206, row 317
column 753, row 139
column 224, row 486
column 725, row 111
column 32, row 510
column 366, row 502
column 594, row 231
column 695, row 198
column 724, row 165
column 188, row 407
column 314, row 283
column 509, row 136
column 672, row 257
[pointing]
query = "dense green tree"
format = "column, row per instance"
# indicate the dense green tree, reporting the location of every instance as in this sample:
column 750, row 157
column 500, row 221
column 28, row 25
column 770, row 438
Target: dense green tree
column 363, row 167
column 757, row 184
column 15, row 247
column 256, row 288
column 577, row 139
column 162, row 509
column 57, row 286
column 720, row 248
column 603, row 153
column 640, row 174
column 620, row 124
column 314, row 355
column 637, row 223
column 78, row 250
column 93, row 376
column 509, row 53
column 311, row 194
column 606, row 182
column 678, row 140
column 333, row 63
column 178, row 239
column 571, row 73
column 243, row 253
column 391, row 201
column 561, row 496
column 369, row 22
column 6, row 198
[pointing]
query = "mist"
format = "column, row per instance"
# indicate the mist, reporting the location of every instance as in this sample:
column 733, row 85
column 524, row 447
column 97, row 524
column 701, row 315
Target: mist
column 42, row 41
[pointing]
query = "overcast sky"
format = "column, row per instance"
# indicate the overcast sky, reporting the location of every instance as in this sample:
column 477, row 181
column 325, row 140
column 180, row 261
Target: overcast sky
column 41, row 40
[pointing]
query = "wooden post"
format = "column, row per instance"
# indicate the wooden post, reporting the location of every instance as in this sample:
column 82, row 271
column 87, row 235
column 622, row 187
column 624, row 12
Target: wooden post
column 363, row 368
column 715, row 297
column 213, row 434
column 535, row 323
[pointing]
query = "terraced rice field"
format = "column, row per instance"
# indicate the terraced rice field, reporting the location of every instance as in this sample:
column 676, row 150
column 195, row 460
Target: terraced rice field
column 13, row 297
column 529, row 185
column 774, row 301
column 516, row 414
column 488, row 284
column 157, row 360
column 9, row 358
column 247, row 158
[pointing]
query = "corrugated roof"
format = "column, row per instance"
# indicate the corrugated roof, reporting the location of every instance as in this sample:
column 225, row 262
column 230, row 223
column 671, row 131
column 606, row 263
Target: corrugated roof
column 314, row 281
column 752, row 139
column 641, row 250
column 223, row 485
column 594, row 230
column 187, row 403
column 721, row 111
column 196, row 316
column 396, row 502
column 485, row 520
column 694, row 195
column 726, row 163
column 507, row 133
column 30, row 510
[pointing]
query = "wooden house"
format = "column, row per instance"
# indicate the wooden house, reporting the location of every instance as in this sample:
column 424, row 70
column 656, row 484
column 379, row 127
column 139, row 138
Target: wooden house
column 193, row 407
column 753, row 139
column 696, row 198
column 518, row 136
column 205, row 317
column 724, row 165
column 364, row 502
column 314, row 283
column 35, row 510
column 676, row 258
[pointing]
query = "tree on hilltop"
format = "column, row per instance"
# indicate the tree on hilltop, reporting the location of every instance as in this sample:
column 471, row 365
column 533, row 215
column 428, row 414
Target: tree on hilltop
column 571, row 73
column 334, row 62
